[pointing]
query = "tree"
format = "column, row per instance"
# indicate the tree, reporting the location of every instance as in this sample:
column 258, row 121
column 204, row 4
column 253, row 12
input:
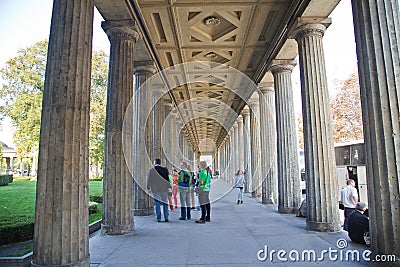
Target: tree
column 21, row 98
column 346, row 111
column 22, row 95
column 98, row 100
column 300, row 131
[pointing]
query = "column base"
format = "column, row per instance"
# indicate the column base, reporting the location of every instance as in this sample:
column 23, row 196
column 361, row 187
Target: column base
column 287, row 210
column 323, row 226
column 268, row 201
column 82, row 263
column 143, row 212
column 117, row 230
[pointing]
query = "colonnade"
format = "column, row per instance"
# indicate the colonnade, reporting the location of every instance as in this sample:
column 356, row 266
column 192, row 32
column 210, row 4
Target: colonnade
column 261, row 141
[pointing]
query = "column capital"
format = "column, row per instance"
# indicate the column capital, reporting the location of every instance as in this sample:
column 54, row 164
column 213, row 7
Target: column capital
column 279, row 66
column 308, row 26
column 143, row 67
column 245, row 111
column 235, row 125
column 121, row 29
column 266, row 87
column 167, row 102
column 253, row 101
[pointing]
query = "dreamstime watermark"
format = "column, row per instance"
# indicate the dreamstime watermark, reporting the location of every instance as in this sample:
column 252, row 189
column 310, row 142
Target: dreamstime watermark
column 340, row 253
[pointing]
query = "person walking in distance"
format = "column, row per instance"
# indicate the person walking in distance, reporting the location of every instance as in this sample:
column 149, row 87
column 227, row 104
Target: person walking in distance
column 349, row 198
column 204, row 179
column 158, row 183
column 239, row 185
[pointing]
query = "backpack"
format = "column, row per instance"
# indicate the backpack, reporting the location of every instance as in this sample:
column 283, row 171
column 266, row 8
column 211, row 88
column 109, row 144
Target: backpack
column 186, row 178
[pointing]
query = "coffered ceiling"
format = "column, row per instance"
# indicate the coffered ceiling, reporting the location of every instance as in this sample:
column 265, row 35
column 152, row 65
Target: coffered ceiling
column 244, row 35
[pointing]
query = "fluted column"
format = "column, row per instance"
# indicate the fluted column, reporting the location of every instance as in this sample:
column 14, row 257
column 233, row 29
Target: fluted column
column 166, row 134
column 158, row 118
column 175, row 141
column 226, row 158
column 236, row 146
column 268, row 144
column 377, row 33
column 246, row 147
column 322, row 185
column 142, row 160
column 240, row 148
column 287, row 155
column 117, row 191
column 61, row 233
column 255, row 145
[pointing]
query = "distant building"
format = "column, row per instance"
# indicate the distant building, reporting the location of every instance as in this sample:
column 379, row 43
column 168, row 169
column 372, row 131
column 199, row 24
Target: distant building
column 9, row 154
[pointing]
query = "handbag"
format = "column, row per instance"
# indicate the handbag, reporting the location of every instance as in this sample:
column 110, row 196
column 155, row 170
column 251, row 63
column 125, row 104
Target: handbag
column 341, row 206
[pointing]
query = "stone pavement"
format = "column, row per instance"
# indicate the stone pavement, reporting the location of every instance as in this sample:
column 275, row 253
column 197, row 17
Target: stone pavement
column 234, row 237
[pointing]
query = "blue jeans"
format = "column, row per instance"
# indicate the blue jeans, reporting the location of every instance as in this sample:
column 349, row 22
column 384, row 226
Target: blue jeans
column 185, row 204
column 161, row 197
column 240, row 193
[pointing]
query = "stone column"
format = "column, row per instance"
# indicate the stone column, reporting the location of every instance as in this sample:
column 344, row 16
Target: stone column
column 236, row 146
column 117, row 190
column 61, row 232
column 8, row 164
column 142, row 161
column 319, row 154
column 166, row 134
column 246, row 147
column 12, row 163
column 34, row 162
column 255, row 145
column 240, row 150
column 225, row 169
column 378, row 39
column 232, row 154
column 268, row 144
column 158, row 116
column 174, row 140
column 287, row 155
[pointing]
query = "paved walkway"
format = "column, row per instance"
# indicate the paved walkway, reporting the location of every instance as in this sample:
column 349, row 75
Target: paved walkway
column 234, row 237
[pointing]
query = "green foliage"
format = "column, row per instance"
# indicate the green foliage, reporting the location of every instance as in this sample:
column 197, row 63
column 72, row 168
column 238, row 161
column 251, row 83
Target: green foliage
column 95, row 188
column 93, row 207
column 22, row 95
column 96, row 198
column 96, row 178
column 10, row 178
column 98, row 100
column 16, row 228
column 22, row 92
column 346, row 111
column 17, row 210
column 96, row 216
column 3, row 180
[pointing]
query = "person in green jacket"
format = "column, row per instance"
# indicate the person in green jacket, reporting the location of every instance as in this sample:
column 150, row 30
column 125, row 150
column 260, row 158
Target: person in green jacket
column 204, row 179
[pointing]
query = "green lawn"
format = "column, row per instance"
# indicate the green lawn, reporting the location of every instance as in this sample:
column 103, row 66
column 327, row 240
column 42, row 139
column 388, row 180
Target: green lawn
column 18, row 199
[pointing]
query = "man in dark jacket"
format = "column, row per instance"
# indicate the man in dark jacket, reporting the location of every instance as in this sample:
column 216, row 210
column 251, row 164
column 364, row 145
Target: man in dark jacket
column 158, row 183
column 358, row 223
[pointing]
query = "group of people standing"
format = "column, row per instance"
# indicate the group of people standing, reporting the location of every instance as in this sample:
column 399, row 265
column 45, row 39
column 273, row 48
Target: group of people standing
column 165, row 187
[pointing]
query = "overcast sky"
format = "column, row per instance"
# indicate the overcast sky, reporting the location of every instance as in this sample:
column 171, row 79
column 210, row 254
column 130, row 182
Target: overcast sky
column 24, row 22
